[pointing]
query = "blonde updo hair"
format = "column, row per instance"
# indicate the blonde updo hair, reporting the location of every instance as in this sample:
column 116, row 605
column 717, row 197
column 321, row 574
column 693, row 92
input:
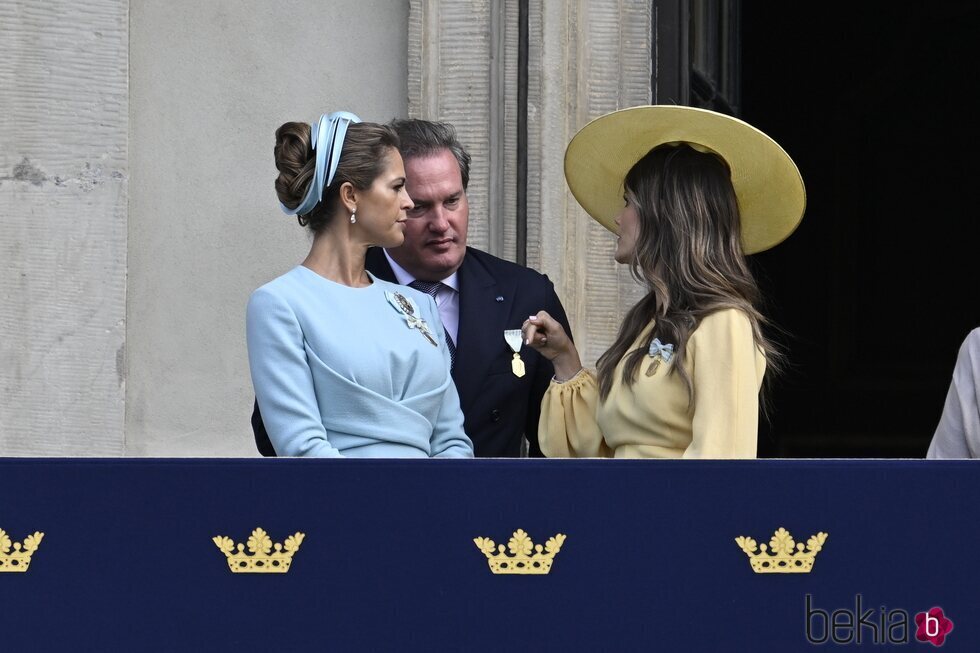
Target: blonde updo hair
column 362, row 159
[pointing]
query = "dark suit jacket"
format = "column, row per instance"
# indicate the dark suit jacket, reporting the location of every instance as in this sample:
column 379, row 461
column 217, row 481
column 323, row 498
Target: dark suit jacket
column 498, row 407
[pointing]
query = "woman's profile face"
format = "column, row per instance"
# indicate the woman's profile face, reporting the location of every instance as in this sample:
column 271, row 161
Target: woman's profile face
column 381, row 209
column 628, row 230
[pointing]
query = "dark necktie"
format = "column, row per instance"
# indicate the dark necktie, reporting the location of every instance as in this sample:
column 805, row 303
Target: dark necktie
column 431, row 288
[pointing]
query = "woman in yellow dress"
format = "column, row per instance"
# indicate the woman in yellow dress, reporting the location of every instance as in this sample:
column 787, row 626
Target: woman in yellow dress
column 689, row 193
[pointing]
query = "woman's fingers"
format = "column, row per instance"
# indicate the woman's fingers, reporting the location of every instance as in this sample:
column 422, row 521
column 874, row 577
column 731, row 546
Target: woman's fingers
column 537, row 327
column 545, row 334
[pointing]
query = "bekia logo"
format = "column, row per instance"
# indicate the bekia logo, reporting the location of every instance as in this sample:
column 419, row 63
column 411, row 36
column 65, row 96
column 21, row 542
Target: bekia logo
column 933, row 626
column 881, row 626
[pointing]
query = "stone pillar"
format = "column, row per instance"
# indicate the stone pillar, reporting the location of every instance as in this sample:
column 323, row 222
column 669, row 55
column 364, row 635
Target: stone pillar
column 594, row 57
column 462, row 69
column 585, row 58
column 64, row 118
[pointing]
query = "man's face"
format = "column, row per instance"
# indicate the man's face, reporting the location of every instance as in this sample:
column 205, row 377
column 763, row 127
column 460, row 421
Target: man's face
column 435, row 233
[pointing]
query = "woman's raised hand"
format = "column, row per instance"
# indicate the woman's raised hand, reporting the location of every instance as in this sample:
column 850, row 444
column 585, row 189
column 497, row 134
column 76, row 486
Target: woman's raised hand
column 545, row 334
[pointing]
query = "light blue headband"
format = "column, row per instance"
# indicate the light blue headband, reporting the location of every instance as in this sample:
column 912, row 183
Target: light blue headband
column 327, row 136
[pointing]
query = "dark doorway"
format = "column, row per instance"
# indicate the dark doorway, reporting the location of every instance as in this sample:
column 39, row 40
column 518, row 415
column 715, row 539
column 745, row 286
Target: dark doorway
column 881, row 283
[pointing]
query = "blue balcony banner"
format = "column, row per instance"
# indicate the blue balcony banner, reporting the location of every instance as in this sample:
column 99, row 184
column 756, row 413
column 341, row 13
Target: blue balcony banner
column 389, row 557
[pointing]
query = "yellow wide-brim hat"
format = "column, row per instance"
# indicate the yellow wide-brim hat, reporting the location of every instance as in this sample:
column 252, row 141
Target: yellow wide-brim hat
column 768, row 185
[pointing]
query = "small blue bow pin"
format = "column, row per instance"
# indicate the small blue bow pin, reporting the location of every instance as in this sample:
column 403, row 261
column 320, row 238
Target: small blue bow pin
column 658, row 348
column 659, row 352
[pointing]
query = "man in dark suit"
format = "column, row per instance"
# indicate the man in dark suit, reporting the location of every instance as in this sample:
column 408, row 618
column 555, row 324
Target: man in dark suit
column 479, row 297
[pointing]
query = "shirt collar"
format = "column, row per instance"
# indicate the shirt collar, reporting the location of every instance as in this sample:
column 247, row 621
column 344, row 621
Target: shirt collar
column 404, row 277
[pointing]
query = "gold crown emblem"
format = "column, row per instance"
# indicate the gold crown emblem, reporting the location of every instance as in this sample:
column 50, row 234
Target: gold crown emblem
column 262, row 560
column 20, row 558
column 521, row 559
column 783, row 556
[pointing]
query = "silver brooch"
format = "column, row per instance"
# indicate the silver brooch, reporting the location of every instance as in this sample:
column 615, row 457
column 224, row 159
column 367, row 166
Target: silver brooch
column 410, row 311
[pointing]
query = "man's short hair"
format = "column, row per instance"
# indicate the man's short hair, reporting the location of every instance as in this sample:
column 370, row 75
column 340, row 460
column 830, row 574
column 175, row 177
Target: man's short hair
column 425, row 138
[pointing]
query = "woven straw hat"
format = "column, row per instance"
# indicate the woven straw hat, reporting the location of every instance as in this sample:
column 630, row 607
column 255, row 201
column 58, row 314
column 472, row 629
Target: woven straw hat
column 768, row 185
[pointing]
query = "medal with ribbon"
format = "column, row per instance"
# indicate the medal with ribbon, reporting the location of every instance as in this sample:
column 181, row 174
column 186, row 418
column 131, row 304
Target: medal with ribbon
column 514, row 339
column 410, row 311
column 659, row 352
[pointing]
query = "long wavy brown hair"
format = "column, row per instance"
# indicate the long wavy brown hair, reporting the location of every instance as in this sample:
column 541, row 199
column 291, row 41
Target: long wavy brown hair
column 688, row 254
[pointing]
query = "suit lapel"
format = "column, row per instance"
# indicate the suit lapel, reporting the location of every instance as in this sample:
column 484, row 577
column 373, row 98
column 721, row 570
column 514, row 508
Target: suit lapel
column 482, row 320
column 377, row 264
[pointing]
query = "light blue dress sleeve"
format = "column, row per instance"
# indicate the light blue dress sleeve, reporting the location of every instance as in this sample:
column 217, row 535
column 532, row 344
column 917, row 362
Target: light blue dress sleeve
column 449, row 440
column 282, row 379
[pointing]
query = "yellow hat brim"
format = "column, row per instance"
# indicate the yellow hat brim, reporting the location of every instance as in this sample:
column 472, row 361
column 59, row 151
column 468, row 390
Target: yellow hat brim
column 768, row 185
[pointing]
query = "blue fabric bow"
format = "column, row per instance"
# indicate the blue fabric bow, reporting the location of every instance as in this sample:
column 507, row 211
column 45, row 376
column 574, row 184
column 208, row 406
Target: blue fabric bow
column 665, row 352
column 327, row 137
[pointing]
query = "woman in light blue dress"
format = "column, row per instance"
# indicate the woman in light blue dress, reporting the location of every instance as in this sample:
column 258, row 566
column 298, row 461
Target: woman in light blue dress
column 344, row 364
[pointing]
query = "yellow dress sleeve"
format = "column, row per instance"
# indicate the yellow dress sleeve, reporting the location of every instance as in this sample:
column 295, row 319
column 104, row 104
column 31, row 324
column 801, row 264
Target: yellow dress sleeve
column 727, row 375
column 567, row 427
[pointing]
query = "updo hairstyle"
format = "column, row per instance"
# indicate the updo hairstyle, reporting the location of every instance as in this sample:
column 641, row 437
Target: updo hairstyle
column 362, row 159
